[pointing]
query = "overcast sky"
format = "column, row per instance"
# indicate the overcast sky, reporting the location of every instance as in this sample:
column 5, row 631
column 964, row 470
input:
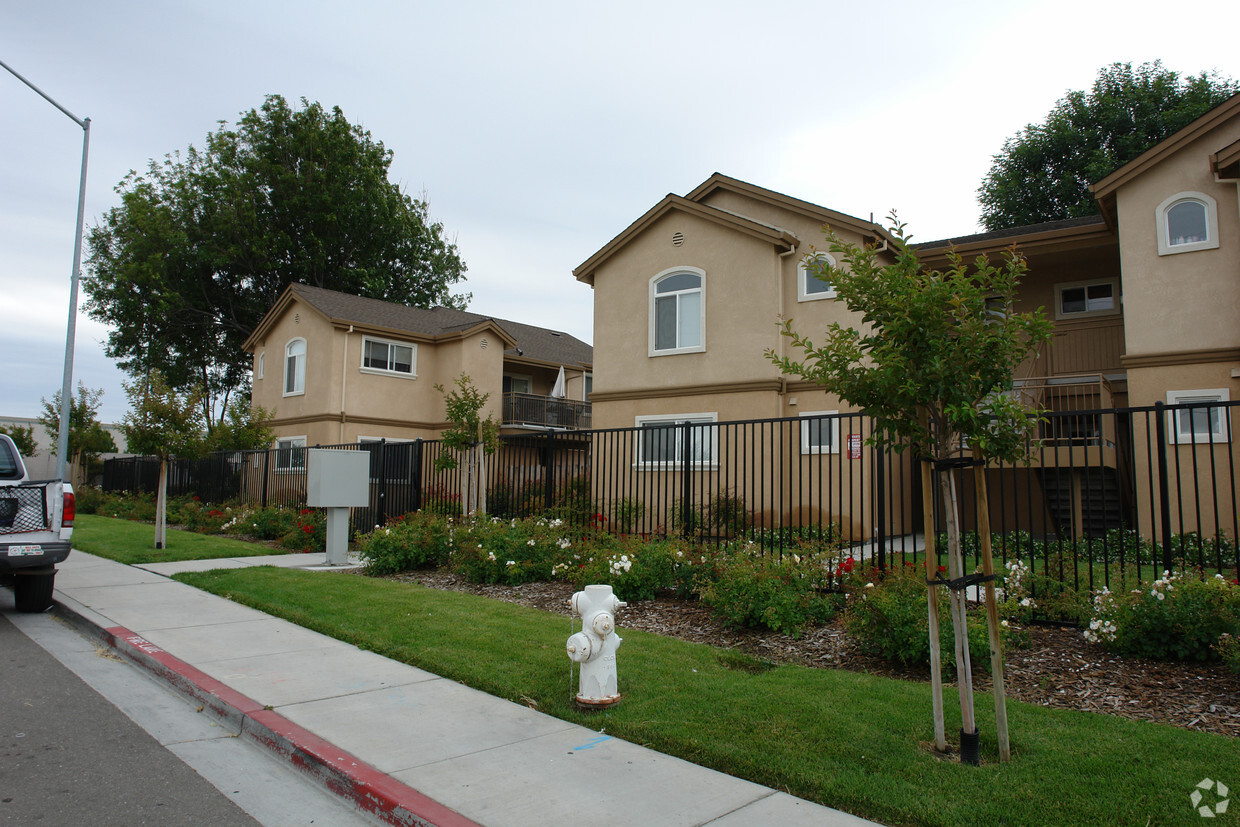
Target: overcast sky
column 538, row 131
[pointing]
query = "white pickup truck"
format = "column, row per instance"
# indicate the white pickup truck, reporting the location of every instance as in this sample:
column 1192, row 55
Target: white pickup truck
column 36, row 524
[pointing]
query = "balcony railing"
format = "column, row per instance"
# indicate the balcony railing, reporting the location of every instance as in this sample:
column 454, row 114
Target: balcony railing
column 1065, row 395
column 545, row 411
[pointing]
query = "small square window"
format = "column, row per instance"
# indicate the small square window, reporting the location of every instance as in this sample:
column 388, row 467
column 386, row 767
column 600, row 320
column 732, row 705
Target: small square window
column 1199, row 416
column 291, row 453
column 820, row 432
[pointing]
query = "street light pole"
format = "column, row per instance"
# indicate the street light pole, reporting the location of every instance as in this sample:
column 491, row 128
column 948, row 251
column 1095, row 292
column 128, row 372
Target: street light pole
column 66, row 388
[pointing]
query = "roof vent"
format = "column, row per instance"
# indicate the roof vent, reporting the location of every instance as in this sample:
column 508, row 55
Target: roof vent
column 678, row 238
column 296, row 318
column 483, row 344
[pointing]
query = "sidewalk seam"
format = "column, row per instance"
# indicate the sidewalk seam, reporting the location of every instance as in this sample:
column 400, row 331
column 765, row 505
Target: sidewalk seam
column 340, row 772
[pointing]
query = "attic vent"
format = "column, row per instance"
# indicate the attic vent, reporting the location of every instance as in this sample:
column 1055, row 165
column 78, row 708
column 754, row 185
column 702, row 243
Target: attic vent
column 553, row 333
column 296, row 318
column 483, row 344
column 678, row 238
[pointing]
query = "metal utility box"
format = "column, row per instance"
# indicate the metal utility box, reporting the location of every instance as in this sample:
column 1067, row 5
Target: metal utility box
column 337, row 479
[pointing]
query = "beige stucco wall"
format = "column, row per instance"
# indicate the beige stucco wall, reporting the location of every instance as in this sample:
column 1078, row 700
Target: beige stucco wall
column 1183, row 302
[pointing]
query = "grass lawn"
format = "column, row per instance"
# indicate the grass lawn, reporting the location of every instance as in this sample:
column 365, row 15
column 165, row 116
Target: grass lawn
column 851, row 741
column 126, row 541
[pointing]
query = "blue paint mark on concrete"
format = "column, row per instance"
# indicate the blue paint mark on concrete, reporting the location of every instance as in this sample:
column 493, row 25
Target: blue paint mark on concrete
column 593, row 744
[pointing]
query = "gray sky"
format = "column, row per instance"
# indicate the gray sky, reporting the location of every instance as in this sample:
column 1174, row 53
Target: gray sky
column 538, row 131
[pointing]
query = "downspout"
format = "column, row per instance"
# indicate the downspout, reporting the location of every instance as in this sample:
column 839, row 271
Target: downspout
column 344, row 380
column 781, row 344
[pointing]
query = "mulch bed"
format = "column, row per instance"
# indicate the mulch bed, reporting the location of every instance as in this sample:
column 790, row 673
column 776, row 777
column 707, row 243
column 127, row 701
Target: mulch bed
column 1058, row 669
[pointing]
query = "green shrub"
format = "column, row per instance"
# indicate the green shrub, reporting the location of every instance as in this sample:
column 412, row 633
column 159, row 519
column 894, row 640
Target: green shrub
column 268, row 523
column 414, row 541
column 889, row 617
column 764, row 590
column 88, row 499
column 491, row 550
column 1228, row 649
column 309, row 531
column 635, row 568
column 1181, row 616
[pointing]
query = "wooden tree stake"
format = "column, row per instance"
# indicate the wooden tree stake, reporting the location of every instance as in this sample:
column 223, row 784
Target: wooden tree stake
column 932, row 601
column 992, row 609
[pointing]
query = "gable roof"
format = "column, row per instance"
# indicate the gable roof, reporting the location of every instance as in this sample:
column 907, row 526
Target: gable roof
column 718, row 181
column 1104, row 190
column 522, row 342
column 780, row 238
column 1026, row 236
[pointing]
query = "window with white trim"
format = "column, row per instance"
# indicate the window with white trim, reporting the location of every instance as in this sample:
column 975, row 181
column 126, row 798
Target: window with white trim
column 513, row 383
column 295, row 367
column 1207, row 421
column 291, row 453
column 677, row 311
column 386, row 356
column 661, row 441
column 587, row 386
column 1186, row 221
column 810, row 287
column 820, row 432
column 1087, row 298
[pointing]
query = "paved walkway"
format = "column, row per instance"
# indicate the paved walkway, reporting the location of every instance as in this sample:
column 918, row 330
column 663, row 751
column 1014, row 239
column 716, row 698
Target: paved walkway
column 405, row 744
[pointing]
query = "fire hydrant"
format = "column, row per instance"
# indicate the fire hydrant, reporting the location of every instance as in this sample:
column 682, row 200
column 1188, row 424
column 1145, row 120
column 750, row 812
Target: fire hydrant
column 594, row 647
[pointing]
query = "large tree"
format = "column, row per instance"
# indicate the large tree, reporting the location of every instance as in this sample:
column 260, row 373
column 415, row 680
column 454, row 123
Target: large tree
column 205, row 241
column 1043, row 173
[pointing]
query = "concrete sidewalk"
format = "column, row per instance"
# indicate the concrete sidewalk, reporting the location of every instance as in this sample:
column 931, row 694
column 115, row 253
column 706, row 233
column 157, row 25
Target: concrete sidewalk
column 402, row 743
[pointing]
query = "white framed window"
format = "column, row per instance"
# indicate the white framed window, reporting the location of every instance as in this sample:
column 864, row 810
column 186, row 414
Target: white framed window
column 678, row 311
column 661, row 441
column 291, row 453
column 295, row 367
column 386, row 356
column 1187, row 221
column 820, row 432
column 1211, row 422
column 1087, row 298
column 809, row 286
column 587, row 386
column 261, row 366
column 515, row 383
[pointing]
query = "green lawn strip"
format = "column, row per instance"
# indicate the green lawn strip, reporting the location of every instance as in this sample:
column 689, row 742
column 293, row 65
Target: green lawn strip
column 130, row 542
column 850, row 741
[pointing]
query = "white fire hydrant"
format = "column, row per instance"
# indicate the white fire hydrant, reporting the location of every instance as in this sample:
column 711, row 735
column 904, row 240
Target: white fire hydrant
column 594, row 647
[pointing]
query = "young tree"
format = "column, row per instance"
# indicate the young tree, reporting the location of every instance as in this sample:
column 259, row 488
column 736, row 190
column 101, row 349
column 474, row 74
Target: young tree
column 471, row 436
column 244, row 428
column 1044, row 172
column 23, row 438
column 204, row 242
column 932, row 365
column 163, row 423
column 87, row 438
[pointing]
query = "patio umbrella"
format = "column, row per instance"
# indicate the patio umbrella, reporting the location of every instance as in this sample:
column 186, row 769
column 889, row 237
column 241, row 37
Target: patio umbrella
column 558, row 391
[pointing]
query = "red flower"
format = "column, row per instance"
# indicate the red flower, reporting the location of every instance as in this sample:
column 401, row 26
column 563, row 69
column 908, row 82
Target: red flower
column 309, row 529
column 942, row 569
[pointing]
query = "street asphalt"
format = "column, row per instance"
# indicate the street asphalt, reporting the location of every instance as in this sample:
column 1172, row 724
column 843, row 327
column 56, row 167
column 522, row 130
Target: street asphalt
column 403, row 744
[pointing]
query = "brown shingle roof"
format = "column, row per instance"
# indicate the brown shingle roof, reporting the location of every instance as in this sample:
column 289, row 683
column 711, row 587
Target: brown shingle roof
column 531, row 343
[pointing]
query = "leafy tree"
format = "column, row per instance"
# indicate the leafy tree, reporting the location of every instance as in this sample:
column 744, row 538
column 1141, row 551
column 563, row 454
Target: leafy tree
column 204, row 242
column 471, row 436
column 932, row 365
column 23, row 438
column 1044, row 172
column 87, row 438
column 244, row 428
column 163, row 423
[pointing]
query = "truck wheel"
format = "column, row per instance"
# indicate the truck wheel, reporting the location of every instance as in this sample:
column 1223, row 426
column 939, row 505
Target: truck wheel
column 33, row 592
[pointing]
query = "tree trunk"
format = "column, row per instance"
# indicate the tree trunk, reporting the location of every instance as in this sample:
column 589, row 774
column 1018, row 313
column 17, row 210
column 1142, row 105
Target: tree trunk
column 955, row 569
column 161, row 501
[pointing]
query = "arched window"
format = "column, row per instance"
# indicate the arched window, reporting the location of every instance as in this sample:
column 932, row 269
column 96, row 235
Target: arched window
column 677, row 311
column 1187, row 221
column 295, row 367
column 809, row 286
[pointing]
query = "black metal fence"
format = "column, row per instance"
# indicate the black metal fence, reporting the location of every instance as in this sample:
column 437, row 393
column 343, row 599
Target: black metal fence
column 1112, row 490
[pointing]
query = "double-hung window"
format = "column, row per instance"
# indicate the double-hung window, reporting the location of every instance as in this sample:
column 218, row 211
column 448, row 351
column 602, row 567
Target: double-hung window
column 665, row 442
column 1207, row 420
column 677, row 311
column 383, row 356
column 1078, row 299
column 291, row 453
column 295, row 367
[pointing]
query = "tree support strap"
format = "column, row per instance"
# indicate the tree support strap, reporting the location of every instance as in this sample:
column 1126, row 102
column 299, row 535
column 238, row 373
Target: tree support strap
column 955, row 462
column 961, row 582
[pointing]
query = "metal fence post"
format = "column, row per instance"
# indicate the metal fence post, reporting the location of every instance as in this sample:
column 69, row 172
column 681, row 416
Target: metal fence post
column 686, row 481
column 381, row 499
column 416, row 482
column 549, row 475
column 266, row 473
column 880, row 509
column 1164, row 496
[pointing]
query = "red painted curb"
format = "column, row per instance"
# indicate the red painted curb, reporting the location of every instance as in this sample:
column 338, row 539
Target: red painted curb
column 343, row 773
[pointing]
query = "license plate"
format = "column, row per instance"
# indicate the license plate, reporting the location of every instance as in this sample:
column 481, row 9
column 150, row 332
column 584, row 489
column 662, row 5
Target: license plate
column 24, row 551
